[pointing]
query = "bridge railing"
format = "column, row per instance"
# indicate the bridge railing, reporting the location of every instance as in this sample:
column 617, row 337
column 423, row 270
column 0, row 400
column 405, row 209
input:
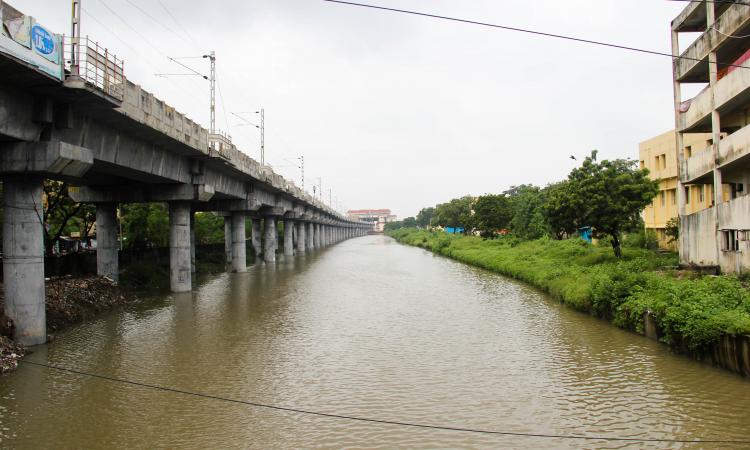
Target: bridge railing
column 95, row 65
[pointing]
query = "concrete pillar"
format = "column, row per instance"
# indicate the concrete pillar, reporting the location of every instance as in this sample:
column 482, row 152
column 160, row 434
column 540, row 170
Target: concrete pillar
column 256, row 238
column 228, row 238
column 239, row 249
column 271, row 236
column 309, row 236
column 107, row 247
column 180, row 278
column 192, row 241
column 316, row 235
column 23, row 259
column 324, row 235
column 301, row 245
column 289, row 238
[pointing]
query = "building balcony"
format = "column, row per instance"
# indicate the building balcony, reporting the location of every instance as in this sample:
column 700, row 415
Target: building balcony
column 692, row 67
column 698, row 167
column 731, row 94
column 735, row 148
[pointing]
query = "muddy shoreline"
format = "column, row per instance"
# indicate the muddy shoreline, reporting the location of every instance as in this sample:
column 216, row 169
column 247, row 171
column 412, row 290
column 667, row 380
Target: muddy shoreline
column 69, row 300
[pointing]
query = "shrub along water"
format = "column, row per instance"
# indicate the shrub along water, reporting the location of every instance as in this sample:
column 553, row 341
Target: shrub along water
column 692, row 312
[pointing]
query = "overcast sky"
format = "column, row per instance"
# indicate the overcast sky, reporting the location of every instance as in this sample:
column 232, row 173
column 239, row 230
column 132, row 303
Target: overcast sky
column 396, row 111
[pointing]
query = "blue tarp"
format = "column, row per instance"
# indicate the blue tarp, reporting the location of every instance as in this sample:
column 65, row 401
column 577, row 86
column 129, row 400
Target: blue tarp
column 452, row 230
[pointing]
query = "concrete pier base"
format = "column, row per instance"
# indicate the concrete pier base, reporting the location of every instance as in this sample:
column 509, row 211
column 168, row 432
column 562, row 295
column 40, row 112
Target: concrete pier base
column 288, row 238
column 309, row 236
column 192, row 242
column 23, row 259
column 301, row 228
column 180, row 277
column 316, row 235
column 255, row 237
column 228, row 238
column 107, row 247
column 239, row 252
column 271, row 236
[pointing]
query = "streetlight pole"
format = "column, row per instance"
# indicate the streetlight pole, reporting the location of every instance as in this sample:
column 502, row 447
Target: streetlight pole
column 75, row 38
column 212, row 79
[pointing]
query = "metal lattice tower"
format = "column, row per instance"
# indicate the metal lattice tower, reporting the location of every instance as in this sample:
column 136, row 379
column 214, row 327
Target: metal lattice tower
column 212, row 79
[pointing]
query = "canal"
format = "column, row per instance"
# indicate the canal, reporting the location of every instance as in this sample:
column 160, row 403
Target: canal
column 371, row 329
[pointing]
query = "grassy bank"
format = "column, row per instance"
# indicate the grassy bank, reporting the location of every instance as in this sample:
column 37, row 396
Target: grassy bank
column 692, row 312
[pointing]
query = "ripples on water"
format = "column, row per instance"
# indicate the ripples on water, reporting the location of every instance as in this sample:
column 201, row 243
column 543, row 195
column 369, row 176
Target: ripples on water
column 373, row 329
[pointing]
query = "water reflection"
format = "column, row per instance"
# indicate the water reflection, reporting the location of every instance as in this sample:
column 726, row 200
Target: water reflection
column 366, row 328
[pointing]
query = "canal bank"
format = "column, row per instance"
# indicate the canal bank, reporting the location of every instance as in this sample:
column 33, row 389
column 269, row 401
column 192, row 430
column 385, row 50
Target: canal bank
column 706, row 317
column 401, row 335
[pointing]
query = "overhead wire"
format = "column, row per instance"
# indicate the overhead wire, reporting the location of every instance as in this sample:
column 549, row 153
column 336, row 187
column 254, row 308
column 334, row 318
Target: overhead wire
column 526, row 31
column 379, row 421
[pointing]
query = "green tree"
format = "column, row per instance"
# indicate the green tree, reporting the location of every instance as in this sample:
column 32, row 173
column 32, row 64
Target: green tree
column 145, row 225
column 608, row 196
column 62, row 215
column 424, row 218
column 456, row 213
column 392, row 226
column 209, row 228
column 527, row 202
column 410, row 222
column 492, row 212
column 561, row 209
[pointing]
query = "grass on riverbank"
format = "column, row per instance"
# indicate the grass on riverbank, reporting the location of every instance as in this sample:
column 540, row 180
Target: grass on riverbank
column 692, row 311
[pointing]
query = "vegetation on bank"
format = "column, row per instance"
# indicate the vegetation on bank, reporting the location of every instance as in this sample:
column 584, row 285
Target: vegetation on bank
column 692, row 311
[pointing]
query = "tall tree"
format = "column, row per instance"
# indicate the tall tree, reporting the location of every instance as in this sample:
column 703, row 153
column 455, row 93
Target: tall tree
column 424, row 218
column 492, row 212
column 59, row 211
column 455, row 214
column 608, row 196
column 527, row 203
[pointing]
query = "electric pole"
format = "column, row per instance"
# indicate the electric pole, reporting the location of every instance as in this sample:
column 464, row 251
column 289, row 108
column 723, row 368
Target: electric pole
column 212, row 57
column 302, row 167
column 75, row 39
column 262, row 137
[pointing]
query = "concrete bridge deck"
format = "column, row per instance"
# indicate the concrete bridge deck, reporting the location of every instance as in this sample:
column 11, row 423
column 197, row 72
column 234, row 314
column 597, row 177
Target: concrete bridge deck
column 126, row 150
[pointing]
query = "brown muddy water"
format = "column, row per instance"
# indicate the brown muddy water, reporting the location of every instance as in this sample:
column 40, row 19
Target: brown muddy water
column 371, row 329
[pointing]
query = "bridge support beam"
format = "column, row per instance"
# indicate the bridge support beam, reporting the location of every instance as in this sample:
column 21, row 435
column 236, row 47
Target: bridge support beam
column 288, row 238
column 107, row 248
column 228, row 238
column 271, row 238
column 256, row 238
column 192, row 242
column 180, row 278
column 316, row 236
column 309, row 235
column 23, row 259
column 301, row 228
column 239, row 252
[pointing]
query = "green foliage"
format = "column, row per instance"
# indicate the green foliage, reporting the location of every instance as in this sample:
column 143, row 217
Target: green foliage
column 455, row 213
column 62, row 215
column 608, row 196
column 209, row 228
column 424, row 218
column 672, row 230
column 492, row 213
column 410, row 222
column 145, row 225
column 642, row 238
column 527, row 203
column 691, row 312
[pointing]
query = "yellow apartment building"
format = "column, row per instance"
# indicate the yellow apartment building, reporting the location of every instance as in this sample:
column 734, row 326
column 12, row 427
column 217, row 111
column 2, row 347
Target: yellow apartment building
column 659, row 156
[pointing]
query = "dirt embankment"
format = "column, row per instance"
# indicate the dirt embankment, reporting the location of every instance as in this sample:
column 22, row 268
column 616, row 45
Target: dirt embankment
column 69, row 300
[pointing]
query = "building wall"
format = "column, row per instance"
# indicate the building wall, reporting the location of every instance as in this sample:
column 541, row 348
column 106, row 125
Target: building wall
column 659, row 156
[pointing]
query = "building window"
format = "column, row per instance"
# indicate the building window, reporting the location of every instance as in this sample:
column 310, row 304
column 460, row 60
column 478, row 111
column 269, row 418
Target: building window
column 688, row 152
column 709, row 142
column 642, row 164
column 730, row 241
column 687, row 195
column 663, row 197
column 702, row 193
column 656, row 163
column 673, row 193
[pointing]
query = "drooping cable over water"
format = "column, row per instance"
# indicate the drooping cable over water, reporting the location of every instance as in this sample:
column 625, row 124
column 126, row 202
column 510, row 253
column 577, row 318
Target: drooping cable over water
column 380, row 421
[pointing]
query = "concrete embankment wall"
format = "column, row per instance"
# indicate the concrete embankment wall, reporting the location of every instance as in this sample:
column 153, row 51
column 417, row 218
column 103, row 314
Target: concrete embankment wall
column 730, row 352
